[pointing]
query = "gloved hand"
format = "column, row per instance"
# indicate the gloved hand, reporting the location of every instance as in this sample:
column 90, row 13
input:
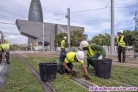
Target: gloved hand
column 87, row 77
column 100, row 57
column 73, row 73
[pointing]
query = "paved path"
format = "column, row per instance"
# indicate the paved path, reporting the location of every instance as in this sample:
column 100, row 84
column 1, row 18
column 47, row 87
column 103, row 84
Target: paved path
column 1, row 67
column 3, row 72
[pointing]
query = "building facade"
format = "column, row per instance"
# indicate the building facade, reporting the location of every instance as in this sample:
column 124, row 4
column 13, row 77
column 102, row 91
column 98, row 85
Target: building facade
column 34, row 30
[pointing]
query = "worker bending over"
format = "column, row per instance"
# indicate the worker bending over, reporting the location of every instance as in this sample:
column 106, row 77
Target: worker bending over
column 66, row 66
column 3, row 49
column 93, row 52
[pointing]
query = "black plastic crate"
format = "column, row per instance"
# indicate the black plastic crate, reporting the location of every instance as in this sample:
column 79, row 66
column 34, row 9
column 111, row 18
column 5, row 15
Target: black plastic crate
column 48, row 71
column 103, row 68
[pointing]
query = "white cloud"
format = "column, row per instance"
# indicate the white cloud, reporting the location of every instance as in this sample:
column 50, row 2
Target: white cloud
column 16, row 39
column 94, row 21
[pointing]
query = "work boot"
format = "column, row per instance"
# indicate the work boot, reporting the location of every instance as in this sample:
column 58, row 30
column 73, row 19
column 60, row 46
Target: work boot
column 119, row 61
column 8, row 62
column 123, row 62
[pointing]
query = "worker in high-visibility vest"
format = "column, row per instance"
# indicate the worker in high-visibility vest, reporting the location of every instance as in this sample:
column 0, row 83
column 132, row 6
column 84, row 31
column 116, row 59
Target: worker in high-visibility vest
column 4, row 48
column 67, row 60
column 63, row 44
column 93, row 52
column 121, row 46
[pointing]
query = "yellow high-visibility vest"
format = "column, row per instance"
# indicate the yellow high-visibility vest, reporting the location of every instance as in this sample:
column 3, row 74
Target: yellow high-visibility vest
column 90, row 51
column 70, row 58
column 4, row 46
column 63, row 44
column 121, row 42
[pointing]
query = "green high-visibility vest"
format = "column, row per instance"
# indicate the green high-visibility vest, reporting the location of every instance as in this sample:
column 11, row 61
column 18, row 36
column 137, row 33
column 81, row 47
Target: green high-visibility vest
column 90, row 51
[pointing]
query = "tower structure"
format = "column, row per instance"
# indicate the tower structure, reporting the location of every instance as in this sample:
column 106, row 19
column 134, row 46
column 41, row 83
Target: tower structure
column 35, row 14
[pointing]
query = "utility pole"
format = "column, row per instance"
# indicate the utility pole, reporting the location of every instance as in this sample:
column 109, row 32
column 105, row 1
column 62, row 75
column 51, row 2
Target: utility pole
column 68, row 17
column 43, row 36
column 50, row 43
column 136, row 20
column 112, row 28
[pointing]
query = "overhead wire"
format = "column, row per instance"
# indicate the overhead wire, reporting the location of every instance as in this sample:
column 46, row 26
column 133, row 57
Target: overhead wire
column 14, row 11
column 56, row 19
column 4, row 17
column 107, row 3
column 7, row 23
column 57, row 14
column 43, row 8
column 25, row 1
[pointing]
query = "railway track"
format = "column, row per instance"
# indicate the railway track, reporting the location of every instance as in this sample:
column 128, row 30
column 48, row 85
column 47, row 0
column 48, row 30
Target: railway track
column 47, row 87
column 126, row 64
column 87, row 84
column 119, row 82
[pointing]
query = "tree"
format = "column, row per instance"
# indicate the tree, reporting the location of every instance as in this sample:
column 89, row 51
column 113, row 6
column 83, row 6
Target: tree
column 59, row 38
column 101, row 39
column 15, row 47
column 76, row 37
column 135, row 33
column 130, row 37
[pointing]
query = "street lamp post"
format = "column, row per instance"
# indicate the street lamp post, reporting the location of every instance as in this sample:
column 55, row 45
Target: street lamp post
column 31, row 46
column 37, row 44
column 43, row 36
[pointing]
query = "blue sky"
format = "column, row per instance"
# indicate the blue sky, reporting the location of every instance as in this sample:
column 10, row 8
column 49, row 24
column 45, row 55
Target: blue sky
column 95, row 21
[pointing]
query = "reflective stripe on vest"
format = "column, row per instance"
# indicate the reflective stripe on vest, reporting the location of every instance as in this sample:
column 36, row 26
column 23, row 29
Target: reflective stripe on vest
column 90, row 51
column 121, row 42
column 62, row 44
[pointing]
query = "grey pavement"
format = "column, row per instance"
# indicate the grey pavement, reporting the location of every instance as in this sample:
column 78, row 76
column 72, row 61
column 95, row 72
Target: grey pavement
column 3, row 72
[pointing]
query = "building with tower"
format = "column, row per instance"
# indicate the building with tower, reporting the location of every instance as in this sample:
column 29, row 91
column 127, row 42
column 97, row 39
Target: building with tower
column 33, row 27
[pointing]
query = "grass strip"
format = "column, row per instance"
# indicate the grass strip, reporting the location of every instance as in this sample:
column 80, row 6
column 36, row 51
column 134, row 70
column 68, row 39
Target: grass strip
column 125, row 74
column 62, row 83
column 20, row 78
column 96, row 80
column 121, row 73
column 77, row 67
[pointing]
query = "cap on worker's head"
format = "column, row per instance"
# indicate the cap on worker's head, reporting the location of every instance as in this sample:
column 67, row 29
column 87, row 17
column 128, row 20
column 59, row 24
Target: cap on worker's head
column 84, row 44
column 120, row 31
column 65, row 37
column 80, row 55
column 6, row 41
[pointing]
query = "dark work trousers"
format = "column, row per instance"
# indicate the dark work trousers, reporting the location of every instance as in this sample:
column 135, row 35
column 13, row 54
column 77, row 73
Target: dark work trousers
column 8, row 57
column 61, row 69
column 121, row 54
column 0, row 57
column 63, row 52
column 90, row 60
